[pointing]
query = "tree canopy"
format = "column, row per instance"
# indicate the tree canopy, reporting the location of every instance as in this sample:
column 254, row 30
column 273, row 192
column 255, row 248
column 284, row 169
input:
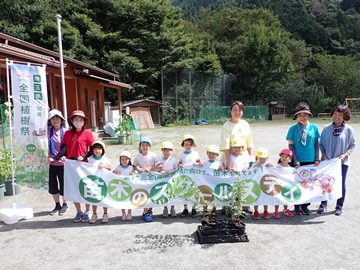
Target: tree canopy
column 308, row 48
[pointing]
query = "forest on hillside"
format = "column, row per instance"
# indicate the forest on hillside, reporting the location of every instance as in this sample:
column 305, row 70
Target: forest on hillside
column 284, row 50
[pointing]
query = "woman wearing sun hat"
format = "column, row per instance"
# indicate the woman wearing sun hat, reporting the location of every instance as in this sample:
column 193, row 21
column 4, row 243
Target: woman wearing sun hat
column 76, row 144
column 303, row 139
column 338, row 141
column 55, row 133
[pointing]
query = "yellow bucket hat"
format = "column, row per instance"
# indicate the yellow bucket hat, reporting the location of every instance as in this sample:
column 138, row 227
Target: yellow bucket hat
column 237, row 142
column 167, row 145
column 213, row 149
column 262, row 153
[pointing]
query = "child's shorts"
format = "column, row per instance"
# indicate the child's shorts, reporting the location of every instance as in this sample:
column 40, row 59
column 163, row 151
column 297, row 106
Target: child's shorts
column 56, row 180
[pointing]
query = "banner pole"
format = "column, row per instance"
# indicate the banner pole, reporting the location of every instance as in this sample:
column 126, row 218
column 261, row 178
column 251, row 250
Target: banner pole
column 58, row 19
column 10, row 133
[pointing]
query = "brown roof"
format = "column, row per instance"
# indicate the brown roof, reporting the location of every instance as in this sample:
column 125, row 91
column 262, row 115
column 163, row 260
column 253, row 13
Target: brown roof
column 8, row 50
column 133, row 102
column 13, row 46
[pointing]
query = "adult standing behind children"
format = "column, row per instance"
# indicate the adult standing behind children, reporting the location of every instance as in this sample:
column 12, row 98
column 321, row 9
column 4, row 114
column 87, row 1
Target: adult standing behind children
column 76, row 144
column 235, row 127
column 303, row 139
column 338, row 141
column 56, row 167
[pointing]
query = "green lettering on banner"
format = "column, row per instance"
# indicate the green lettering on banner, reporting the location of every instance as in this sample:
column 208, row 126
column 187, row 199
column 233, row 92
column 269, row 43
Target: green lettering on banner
column 161, row 193
column 37, row 87
column 37, row 78
column 253, row 191
column 119, row 190
column 223, row 192
column 291, row 193
column 181, row 187
column 92, row 188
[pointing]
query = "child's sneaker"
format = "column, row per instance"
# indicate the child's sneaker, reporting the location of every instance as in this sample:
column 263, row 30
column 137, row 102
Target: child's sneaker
column 105, row 218
column 93, row 219
column 55, row 211
column 64, row 209
column 338, row 211
column 288, row 213
column 148, row 216
column 185, row 212
column 247, row 210
column 322, row 208
column 305, row 210
column 128, row 216
column 123, row 217
column 276, row 215
column 85, row 217
column 165, row 212
column 78, row 217
column 297, row 210
column 172, row 212
column 193, row 212
column 256, row 215
column 266, row 215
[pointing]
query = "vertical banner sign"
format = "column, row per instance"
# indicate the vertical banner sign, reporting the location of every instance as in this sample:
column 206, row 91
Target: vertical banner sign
column 29, row 91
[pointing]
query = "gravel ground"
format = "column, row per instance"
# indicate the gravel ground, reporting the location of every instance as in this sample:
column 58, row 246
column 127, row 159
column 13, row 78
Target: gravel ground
column 303, row 242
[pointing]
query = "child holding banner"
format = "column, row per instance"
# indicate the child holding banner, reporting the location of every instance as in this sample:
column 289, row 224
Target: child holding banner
column 56, row 167
column 212, row 162
column 240, row 158
column 99, row 159
column 145, row 161
column 187, row 158
column 167, row 164
column 76, row 144
column 125, row 169
column 212, row 153
column 284, row 162
column 261, row 157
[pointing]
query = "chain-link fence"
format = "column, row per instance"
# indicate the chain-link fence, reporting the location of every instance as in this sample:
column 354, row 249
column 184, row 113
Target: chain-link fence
column 192, row 95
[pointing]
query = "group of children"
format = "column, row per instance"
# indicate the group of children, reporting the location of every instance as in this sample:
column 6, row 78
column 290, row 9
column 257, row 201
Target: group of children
column 146, row 161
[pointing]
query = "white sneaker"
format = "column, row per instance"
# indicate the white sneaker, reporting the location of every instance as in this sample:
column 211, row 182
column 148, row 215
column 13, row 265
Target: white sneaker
column 105, row 218
column 93, row 219
column 165, row 212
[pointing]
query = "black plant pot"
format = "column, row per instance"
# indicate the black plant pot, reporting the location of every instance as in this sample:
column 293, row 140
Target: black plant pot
column 221, row 231
column 9, row 190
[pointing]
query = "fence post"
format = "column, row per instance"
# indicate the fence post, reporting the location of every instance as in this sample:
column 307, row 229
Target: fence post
column 190, row 89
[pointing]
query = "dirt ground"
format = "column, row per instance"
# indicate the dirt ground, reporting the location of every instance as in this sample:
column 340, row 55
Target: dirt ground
column 303, row 242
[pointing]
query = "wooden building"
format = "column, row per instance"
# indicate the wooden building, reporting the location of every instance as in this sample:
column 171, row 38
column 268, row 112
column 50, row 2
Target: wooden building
column 84, row 83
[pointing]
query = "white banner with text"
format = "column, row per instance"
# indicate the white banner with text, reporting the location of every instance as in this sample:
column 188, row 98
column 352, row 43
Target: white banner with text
column 86, row 183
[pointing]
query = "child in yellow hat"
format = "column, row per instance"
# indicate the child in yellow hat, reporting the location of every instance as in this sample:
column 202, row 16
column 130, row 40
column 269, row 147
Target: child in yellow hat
column 239, row 156
column 261, row 158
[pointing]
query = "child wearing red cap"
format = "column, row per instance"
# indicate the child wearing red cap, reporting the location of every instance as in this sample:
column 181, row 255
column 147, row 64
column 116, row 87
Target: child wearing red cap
column 75, row 145
column 284, row 160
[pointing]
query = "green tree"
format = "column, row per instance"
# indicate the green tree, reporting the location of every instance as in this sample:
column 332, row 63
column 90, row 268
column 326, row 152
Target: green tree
column 250, row 44
column 338, row 75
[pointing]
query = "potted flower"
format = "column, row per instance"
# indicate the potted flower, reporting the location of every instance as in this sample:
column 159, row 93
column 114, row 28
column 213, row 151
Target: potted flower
column 6, row 172
column 124, row 129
